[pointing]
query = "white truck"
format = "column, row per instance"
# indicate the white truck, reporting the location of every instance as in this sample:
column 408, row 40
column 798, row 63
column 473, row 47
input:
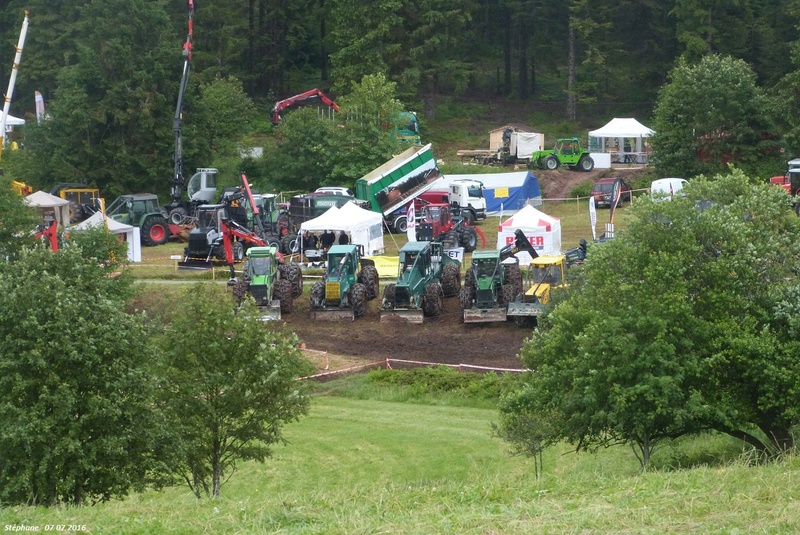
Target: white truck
column 464, row 194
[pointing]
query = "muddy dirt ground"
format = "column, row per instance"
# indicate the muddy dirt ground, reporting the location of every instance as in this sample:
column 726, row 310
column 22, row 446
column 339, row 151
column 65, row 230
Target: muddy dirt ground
column 443, row 339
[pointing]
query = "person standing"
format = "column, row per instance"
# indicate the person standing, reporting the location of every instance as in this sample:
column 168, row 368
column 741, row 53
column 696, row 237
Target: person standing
column 343, row 238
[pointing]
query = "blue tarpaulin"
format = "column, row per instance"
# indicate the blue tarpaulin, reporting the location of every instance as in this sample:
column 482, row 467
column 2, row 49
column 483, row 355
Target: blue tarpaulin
column 508, row 192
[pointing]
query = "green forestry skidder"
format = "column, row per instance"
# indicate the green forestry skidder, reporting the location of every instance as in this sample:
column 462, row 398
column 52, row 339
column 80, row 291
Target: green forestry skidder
column 567, row 151
column 426, row 274
column 269, row 282
column 350, row 281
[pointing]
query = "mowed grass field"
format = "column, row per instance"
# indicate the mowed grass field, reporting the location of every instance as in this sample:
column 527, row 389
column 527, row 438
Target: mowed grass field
column 366, row 466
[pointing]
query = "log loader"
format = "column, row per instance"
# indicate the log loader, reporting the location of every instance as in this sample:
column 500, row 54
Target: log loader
column 426, row 274
column 492, row 282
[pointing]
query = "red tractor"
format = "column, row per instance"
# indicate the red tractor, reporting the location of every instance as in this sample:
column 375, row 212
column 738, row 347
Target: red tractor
column 437, row 223
column 790, row 182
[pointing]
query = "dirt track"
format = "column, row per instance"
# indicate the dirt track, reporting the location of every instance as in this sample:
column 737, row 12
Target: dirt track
column 442, row 339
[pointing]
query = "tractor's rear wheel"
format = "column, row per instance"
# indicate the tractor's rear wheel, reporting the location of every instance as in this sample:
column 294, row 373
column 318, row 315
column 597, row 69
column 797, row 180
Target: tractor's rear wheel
column 451, row 280
column 294, row 274
column 317, row 295
column 586, row 163
column 468, row 239
column 388, row 294
column 358, row 299
column 155, row 231
column 432, row 300
column 551, row 163
column 282, row 291
column 370, row 278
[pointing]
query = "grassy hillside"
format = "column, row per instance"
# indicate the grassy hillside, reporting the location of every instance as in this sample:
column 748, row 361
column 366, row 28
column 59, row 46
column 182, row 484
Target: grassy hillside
column 365, row 466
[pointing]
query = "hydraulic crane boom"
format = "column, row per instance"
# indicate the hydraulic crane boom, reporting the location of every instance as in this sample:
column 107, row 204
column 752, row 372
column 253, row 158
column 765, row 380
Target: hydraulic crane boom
column 176, row 188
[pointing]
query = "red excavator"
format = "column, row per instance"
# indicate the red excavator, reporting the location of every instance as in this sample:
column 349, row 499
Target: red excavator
column 297, row 100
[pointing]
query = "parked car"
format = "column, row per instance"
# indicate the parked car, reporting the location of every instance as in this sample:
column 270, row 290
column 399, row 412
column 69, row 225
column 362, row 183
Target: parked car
column 335, row 190
column 666, row 188
column 603, row 189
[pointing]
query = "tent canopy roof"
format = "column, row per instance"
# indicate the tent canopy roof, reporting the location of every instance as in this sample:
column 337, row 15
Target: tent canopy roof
column 96, row 219
column 347, row 218
column 530, row 217
column 627, row 127
column 42, row 199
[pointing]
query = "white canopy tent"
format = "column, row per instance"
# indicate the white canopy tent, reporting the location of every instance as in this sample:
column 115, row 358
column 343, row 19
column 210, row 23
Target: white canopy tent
column 365, row 227
column 12, row 121
column 612, row 137
column 542, row 230
column 129, row 232
column 50, row 204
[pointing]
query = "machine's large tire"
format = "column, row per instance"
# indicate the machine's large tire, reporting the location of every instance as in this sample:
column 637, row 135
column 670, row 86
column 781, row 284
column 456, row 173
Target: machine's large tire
column 514, row 277
column 451, row 280
column 388, row 294
column 586, row 163
column 294, row 274
column 155, row 231
column 551, row 163
column 317, row 295
column 289, row 244
column 282, row 291
column 274, row 242
column 238, row 251
column 370, row 278
column 358, row 299
column 240, row 290
column 177, row 215
column 464, row 301
column 432, row 300
column 507, row 294
column 525, row 321
column 468, row 239
column 450, row 239
column 401, row 225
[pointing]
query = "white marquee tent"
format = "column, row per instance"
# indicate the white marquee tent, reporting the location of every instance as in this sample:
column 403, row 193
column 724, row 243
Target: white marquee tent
column 12, row 121
column 542, row 230
column 619, row 130
column 50, row 203
column 364, row 226
column 130, row 233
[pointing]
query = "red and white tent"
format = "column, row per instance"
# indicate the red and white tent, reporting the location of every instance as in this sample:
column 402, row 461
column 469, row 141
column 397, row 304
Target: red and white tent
column 542, row 230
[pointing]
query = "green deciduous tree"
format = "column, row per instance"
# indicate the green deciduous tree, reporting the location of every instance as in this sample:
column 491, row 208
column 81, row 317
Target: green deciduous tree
column 17, row 222
column 685, row 322
column 76, row 418
column 230, row 386
column 708, row 115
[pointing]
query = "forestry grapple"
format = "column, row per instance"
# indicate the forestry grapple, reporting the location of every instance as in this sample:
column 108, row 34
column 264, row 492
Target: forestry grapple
column 425, row 275
column 350, row 281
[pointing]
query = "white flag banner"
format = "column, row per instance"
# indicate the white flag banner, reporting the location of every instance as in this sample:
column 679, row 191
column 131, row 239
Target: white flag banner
column 593, row 216
column 411, row 222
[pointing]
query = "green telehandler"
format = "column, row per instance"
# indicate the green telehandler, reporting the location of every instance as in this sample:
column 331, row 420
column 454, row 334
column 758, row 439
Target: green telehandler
column 567, row 151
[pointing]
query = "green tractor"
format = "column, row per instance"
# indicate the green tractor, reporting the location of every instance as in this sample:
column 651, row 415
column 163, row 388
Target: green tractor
column 271, row 284
column 567, row 151
column 350, row 281
column 142, row 210
column 426, row 274
column 492, row 282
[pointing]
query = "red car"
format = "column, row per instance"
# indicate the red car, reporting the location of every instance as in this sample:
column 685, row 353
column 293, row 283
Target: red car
column 603, row 189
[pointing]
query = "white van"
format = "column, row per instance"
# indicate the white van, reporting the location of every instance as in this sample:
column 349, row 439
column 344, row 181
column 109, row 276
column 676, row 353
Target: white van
column 666, row 188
